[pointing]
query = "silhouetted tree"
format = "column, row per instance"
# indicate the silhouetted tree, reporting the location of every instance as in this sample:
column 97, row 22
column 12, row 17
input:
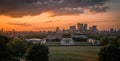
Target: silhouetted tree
column 118, row 42
column 37, row 52
column 109, row 53
column 18, row 47
column 104, row 41
column 5, row 50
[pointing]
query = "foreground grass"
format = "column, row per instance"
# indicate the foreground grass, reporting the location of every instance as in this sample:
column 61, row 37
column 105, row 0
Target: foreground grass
column 73, row 53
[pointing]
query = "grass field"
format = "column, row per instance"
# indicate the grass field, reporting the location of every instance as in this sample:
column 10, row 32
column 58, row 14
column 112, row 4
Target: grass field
column 73, row 53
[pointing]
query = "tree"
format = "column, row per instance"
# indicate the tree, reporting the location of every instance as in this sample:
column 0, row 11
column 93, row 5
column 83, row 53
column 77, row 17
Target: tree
column 94, row 36
column 118, row 42
column 5, row 50
column 109, row 53
column 113, row 43
column 37, row 52
column 103, row 41
column 18, row 47
column 3, row 40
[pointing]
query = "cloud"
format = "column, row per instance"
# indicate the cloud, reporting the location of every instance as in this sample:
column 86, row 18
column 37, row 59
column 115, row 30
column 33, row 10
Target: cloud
column 99, row 9
column 19, row 8
column 103, row 21
column 49, row 21
column 18, row 24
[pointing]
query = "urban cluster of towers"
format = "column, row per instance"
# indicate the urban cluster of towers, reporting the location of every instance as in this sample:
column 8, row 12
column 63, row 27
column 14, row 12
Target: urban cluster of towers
column 79, row 27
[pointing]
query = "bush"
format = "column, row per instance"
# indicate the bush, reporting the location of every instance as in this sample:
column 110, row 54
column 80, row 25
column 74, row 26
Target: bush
column 18, row 47
column 104, row 41
column 109, row 53
column 118, row 42
column 37, row 52
column 5, row 50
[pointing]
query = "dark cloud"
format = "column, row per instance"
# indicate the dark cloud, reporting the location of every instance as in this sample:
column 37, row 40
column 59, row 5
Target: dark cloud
column 19, row 8
column 18, row 24
column 99, row 9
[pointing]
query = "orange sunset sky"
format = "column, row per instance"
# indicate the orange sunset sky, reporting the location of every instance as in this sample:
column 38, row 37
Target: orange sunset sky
column 49, row 19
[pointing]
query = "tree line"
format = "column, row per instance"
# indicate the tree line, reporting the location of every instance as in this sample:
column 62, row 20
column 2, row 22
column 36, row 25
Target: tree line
column 12, row 49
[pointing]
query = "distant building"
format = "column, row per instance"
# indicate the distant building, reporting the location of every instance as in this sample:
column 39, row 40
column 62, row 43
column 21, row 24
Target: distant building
column 111, row 30
column 53, row 38
column 93, row 28
column 93, row 41
column 79, row 37
column 36, row 41
column 72, row 28
column 58, row 30
column 13, row 31
column 66, row 40
column 80, row 27
column 85, row 27
column 2, row 30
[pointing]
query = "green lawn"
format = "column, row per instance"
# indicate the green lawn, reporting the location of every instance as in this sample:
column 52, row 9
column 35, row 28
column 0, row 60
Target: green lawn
column 73, row 53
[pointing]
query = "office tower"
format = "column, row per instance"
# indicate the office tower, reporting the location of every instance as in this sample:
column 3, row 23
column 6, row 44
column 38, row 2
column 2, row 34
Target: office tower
column 94, row 28
column 111, row 30
column 80, row 27
column 57, row 29
column 85, row 27
column 72, row 28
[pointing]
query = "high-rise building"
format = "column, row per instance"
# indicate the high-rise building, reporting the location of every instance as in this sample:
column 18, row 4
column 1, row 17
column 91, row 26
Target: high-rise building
column 80, row 27
column 2, row 30
column 94, row 28
column 111, row 30
column 72, row 28
column 85, row 27
column 14, row 31
column 57, row 29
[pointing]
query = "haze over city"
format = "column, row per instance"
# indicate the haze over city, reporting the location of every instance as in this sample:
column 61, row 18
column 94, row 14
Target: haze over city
column 36, row 15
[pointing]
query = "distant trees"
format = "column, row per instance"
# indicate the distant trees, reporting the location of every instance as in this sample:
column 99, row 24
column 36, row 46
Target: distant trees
column 78, row 39
column 36, row 36
column 95, row 36
column 37, row 52
column 14, row 49
column 103, row 41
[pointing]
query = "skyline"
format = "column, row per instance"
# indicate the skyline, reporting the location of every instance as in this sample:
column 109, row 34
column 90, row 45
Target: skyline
column 30, row 16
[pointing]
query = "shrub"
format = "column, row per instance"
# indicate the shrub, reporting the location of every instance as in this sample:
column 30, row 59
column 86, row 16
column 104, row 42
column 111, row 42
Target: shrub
column 37, row 52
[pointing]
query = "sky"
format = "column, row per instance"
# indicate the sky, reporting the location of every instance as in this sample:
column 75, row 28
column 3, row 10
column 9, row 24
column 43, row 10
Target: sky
column 36, row 15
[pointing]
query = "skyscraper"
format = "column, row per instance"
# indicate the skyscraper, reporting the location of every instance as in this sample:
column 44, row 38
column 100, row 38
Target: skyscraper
column 85, row 27
column 72, row 28
column 94, row 28
column 57, row 30
column 80, row 27
column 111, row 30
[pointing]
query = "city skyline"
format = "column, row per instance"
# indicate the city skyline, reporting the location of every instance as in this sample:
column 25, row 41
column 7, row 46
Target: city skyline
column 28, row 15
column 78, row 27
